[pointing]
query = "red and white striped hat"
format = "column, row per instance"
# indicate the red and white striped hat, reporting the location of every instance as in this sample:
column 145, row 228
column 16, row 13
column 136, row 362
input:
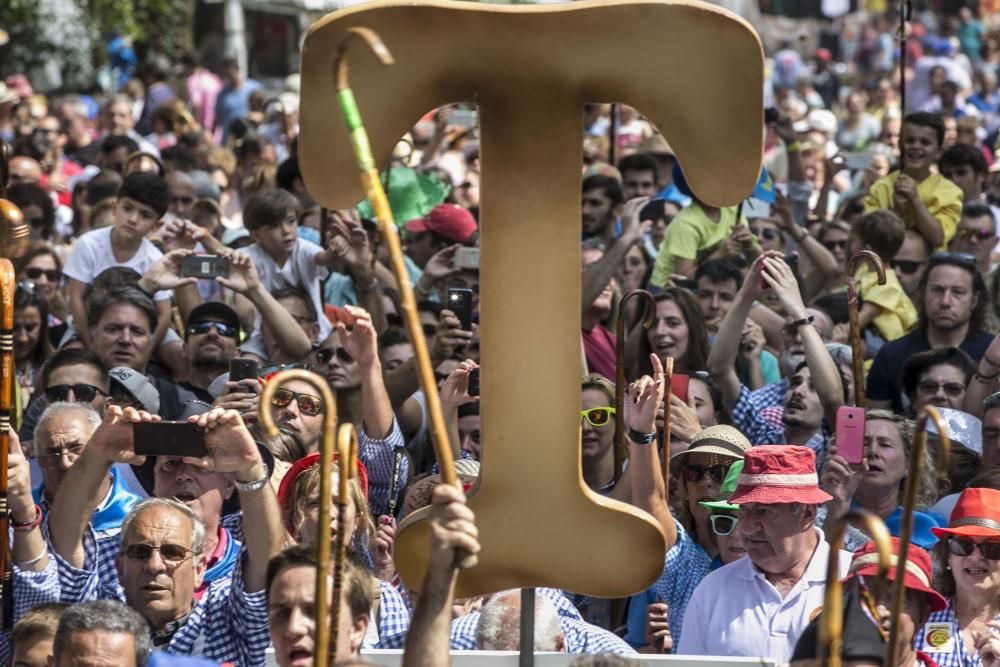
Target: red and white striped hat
column 779, row 474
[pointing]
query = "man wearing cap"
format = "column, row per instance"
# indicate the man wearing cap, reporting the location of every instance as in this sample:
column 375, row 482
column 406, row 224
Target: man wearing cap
column 862, row 637
column 211, row 338
column 444, row 226
column 227, row 620
column 758, row 606
column 814, row 389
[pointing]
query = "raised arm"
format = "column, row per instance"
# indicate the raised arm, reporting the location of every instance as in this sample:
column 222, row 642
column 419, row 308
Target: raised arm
column 597, row 275
column 29, row 551
column 349, row 244
column 361, row 342
column 244, row 279
column 78, row 309
column 984, row 380
column 403, row 381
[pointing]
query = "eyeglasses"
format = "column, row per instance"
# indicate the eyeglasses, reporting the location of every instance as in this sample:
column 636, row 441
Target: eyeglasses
column 989, row 550
column 34, row 273
column 598, row 417
column 324, row 355
column 978, row 234
column 204, row 326
column 950, row 388
column 83, row 393
column 906, row 266
column 53, row 455
column 696, row 473
column 723, row 524
column 834, row 245
column 172, row 554
column 308, row 404
column 766, row 233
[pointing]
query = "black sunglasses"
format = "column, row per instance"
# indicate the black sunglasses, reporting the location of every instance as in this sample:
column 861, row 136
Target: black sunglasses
column 905, row 266
column 171, row 553
column 204, row 326
column 960, row 547
column 767, row 233
column 696, row 473
column 34, row 273
column 83, row 393
column 325, row 354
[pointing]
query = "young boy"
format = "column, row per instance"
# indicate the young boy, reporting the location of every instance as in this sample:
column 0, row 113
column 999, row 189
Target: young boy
column 281, row 257
column 142, row 200
column 926, row 201
column 885, row 306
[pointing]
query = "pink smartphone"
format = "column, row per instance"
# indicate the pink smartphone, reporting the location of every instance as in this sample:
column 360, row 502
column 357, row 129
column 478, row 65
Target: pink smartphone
column 851, row 433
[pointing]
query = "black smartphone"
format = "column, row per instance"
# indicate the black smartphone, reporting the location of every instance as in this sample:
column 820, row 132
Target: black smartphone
column 205, row 266
column 771, row 115
column 460, row 303
column 474, row 382
column 169, row 439
column 792, row 260
column 243, row 369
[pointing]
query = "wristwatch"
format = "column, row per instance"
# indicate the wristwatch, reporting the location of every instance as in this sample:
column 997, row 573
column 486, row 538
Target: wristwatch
column 250, row 487
column 640, row 438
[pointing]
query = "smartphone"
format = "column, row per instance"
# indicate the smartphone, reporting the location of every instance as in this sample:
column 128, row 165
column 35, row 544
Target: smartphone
column 851, row 433
column 771, row 115
column 460, row 303
column 474, row 382
column 792, row 260
column 679, row 386
column 859, row 160
column 243, row 369
column 466, row 258
column 169, row 439
column 205, row 266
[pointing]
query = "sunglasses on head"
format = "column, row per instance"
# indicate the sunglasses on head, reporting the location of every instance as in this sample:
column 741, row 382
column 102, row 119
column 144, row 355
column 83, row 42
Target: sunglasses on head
column 960, row 258
column 308, row 404
column 906, row 266
column 34, row 273
column 960, row 547
column 83, row 393
column 325, row 354
column 980, row 234
column 723, row 524
column 598, row 417
column 696, row 473
column 170, row 553
column 204, row 326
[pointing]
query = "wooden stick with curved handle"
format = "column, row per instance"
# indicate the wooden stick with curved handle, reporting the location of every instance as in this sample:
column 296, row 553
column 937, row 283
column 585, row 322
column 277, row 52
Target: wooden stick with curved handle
column 390, row 234
column 347, row 460
column 7, row 283
column 323, row 629
column 14, row 231
column 831, row 628
column 909, row 500
column 857, row 360
column 621, row 446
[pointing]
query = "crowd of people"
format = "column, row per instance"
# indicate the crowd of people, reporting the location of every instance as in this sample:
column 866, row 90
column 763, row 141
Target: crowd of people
column 177, row 262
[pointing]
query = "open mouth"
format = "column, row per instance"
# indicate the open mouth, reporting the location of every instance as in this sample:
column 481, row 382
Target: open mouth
column 976, row 571
column 794, row 405
column 300, row 656
column 185, row 497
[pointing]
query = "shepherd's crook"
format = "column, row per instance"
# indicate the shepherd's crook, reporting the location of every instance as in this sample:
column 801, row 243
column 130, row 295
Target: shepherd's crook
column 323, row 629
column 831, row 627
column 909, row 500
column 375, row 193
column 621, row 447
column 857, row 360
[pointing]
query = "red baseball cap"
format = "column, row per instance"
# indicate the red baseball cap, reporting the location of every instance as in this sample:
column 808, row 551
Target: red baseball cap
column 449, row 220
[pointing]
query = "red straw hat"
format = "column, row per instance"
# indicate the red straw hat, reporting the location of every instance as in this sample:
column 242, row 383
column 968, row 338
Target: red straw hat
column 299, row 467
column 918, row 571
column 779, row 474
column 976, row 514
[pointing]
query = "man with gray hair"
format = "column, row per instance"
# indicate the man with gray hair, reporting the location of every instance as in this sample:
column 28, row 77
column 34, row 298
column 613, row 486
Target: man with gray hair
column 499, row 625
column 103, row 632
column 162, row 558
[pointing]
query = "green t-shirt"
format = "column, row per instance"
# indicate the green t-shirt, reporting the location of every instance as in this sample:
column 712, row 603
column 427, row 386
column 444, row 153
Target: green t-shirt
column 691, row 235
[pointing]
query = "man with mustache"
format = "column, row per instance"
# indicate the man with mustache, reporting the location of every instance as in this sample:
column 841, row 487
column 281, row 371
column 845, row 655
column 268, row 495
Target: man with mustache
column 759, row 605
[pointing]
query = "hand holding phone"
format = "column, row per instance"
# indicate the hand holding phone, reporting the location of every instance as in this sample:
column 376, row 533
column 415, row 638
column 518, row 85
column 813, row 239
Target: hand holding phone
column 851, row 434
column 679, row 386
column 460, row 303
column 205, row 266
column 169, row 438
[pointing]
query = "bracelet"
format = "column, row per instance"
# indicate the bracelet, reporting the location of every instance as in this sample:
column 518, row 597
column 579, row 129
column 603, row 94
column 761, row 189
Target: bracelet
column 985, row 379
column 250, row 487
column 793, row 147
column 28, row 526
column 801, row 323
column 26, row 563
column 640, row 438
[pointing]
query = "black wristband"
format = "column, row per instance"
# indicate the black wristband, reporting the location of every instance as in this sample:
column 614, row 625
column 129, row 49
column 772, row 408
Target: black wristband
column 801, row 323
column 640, row 438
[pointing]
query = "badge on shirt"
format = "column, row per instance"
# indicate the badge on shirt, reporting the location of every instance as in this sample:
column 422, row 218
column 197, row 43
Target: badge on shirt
column 937, row 637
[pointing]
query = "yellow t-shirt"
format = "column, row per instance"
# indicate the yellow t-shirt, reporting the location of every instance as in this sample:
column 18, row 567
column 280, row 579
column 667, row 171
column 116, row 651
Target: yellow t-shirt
column 692, row 235
column 942, row 198
column 898, row 313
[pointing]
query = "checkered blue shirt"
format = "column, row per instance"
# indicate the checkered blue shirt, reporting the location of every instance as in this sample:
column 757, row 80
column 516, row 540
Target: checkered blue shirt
column 686, row 565
column 393, row 618
column 378, row 457
column 581, row 637
column 747, row 418
column 954, row 653
column 228, row 624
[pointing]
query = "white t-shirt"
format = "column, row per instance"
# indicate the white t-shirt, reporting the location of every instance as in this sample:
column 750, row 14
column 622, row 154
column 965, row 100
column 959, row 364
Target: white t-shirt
column 91, row 254
column 300, row 271
column 736, row 611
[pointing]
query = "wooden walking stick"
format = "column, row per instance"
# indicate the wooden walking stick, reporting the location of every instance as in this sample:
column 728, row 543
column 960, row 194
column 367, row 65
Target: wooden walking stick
column 347, row 462
column 668, row 378
column 14, row 231
column 857, row 360
column 390, row 234
column 621, row 446
column 909, row 500
column 322, row 601
column 831, row 626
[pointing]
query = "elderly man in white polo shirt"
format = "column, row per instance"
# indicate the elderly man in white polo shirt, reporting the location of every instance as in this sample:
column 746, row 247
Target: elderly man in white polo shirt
column 758, row 606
